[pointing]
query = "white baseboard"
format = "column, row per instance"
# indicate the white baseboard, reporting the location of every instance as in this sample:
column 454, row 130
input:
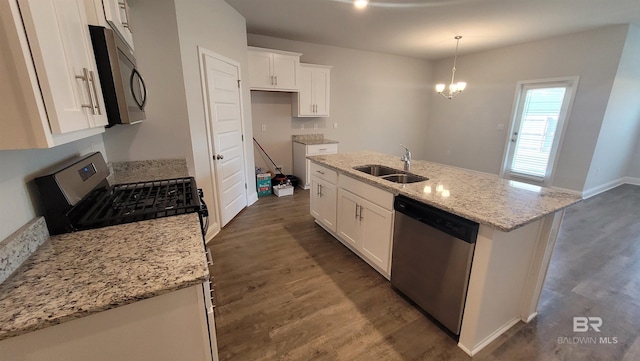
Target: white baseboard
column 531, row 317
column 588, row 193
column 482, row 344
column 252, row 198
column 632, row 180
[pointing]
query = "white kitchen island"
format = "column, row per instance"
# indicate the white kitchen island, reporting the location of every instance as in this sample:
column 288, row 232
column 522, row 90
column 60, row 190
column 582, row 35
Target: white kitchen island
column 519, row 224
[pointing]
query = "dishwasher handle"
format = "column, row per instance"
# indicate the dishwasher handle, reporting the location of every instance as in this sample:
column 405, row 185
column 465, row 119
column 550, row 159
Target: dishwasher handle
column 446, row 222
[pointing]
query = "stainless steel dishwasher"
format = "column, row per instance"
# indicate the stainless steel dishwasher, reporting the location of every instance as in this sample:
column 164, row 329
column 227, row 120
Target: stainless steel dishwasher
column 432, row 254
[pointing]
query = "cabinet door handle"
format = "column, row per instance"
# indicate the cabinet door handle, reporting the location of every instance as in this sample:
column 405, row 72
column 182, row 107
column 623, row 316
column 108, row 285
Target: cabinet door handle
column 123, row 6
column 276, row 80
column 92, row 79
column 321, row 172
column 357, row 210
column 320, row 190
column 361, row 217
column 209, row 258
column 85, row 77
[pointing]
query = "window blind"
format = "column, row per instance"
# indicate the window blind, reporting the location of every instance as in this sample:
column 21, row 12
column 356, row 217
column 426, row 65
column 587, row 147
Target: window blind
column 538, row 123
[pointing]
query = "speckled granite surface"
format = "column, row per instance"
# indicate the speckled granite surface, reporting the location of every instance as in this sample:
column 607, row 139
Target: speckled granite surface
column 481, row 197
column 16, row 248
column 312, row 139
column 135, row 171
column 77, row 274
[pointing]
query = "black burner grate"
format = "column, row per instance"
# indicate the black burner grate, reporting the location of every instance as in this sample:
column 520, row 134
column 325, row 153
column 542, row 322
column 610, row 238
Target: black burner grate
column 132, row 202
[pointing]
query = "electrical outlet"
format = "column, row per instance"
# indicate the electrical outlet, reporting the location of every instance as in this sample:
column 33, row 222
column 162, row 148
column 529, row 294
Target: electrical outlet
column 335, row 125
column 302, row 126
column 315, row 125
column 500, row 127
column 264, row 127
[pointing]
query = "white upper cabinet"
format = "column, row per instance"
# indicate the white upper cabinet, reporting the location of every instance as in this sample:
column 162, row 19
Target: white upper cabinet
column 49, row 81
column 273, row 70
column 313, row 98
column 116, row 12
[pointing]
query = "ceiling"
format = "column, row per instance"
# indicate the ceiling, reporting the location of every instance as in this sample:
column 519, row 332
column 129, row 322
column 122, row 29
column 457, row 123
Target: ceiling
column 426, row 28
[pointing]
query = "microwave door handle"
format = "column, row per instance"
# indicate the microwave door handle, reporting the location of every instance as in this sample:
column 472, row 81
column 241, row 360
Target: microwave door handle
column 135, row 73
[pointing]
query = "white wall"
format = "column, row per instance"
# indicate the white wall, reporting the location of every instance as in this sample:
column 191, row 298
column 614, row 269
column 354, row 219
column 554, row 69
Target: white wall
column 166, row 35
column 621, row 124
column 164, row 134
column 377, row 100
column 20, row 201
column 216, row 26
column 634, row 164
column 462, row 132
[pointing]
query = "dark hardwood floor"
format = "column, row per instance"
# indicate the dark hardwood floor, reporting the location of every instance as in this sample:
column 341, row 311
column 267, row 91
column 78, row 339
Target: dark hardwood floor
column 287, row 290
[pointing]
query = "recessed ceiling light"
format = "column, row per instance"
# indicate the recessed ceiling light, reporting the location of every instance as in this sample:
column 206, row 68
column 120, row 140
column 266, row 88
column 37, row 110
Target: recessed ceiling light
column 360, row 4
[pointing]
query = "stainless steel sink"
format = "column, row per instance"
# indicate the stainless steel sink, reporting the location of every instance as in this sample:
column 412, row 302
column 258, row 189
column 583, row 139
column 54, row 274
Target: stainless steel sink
column 378, row 170
column 390, row 174
column 404, row 178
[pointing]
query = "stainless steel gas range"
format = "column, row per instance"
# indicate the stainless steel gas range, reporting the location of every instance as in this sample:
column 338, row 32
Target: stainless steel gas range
column 77, row 196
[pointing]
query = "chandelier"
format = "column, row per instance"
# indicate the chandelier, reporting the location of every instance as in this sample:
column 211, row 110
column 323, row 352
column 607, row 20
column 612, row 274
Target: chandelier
column 454, row 88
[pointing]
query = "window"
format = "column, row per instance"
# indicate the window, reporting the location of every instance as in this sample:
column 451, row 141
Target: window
column 540, row 113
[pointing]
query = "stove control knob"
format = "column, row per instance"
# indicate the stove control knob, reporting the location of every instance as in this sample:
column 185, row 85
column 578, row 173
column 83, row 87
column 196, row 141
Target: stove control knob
column 219, row 156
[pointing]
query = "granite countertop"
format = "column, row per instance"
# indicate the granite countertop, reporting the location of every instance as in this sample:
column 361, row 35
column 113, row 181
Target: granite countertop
column 77, row 274
column 312, row 139
column 481, row 197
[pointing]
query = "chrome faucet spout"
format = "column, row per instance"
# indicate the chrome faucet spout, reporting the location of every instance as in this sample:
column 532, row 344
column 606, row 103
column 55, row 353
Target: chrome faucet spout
column 406, row 158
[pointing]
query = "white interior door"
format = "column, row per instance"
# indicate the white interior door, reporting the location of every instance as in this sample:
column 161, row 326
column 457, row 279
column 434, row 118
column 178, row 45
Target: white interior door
column 221, row 77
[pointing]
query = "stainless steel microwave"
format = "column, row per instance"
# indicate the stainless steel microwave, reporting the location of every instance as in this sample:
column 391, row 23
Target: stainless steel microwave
column 123, row 88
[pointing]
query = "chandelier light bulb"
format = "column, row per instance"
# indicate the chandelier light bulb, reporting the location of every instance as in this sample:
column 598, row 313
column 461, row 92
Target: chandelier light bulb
column 454, row 88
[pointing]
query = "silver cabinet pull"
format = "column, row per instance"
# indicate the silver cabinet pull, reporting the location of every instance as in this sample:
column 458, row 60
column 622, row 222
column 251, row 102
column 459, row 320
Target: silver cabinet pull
column 209, row 258
column 85, row 77
column 276, row 80
column 361, row 217
column 123, row 6
column 92, row 79
column 320, row 185
column 321, row 172
column 357, row 210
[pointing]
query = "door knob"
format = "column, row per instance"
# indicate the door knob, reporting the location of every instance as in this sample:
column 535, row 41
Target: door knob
column 219, row 156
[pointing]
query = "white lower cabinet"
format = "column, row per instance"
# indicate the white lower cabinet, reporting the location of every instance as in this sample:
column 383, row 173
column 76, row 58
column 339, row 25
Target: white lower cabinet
column 302, row 165
column 171, row 326
column 366, row 227
column 323, row 199
column 356, row 213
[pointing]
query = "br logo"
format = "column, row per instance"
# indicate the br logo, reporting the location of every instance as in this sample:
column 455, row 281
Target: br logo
column 583, row 324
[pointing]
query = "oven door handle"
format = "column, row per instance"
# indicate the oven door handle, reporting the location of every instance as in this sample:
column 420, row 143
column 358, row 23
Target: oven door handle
column 204, row 213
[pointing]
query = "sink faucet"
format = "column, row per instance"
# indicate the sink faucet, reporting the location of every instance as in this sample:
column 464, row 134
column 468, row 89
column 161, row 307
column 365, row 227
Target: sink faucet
column 406, row 158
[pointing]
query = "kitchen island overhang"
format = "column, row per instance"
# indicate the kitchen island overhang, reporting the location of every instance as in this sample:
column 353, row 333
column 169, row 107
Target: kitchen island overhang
column 519, row 225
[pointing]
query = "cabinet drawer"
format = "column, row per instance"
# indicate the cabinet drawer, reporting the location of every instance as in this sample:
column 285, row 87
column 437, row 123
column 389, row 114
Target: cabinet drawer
column 321, row 172
column 373, row 194
column 322, row 149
